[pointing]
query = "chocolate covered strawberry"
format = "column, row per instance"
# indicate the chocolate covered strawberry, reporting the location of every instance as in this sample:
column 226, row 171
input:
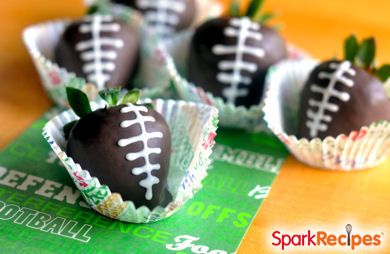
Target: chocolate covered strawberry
column 165, row 17
column 100, row 48
column 230, row 56
column 126, row 146
column 341, row 96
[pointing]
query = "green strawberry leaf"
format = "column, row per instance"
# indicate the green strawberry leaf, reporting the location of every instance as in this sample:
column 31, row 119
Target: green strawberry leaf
column 100, row 7
column 130, row 97
column 93, row 9
column 265, row 17
column 78, row 101
column 234, row 10
column 351, row 48
column 254, row 8
column 68, row 128
column 366, row 53
column 383, row 73
column 149, row 105
column 111, row 96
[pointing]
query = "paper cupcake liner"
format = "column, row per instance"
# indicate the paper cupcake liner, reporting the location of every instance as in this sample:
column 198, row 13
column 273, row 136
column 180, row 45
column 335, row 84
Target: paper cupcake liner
column 193, row 128
column 250, row 119
column 42, row 39
column 359, row 149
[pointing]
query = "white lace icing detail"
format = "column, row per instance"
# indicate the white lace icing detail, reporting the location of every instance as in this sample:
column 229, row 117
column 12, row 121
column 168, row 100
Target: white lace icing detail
column 99, row 62
column 162, row 16
column 317, row 118
column 144, row 137
column 230, row 71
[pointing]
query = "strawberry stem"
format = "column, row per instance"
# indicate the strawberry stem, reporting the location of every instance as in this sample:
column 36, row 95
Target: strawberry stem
column 363, row 55
column 254, row 11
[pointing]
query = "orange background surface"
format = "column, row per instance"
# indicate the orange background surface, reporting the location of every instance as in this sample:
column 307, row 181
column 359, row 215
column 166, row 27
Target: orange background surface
column 302, row 198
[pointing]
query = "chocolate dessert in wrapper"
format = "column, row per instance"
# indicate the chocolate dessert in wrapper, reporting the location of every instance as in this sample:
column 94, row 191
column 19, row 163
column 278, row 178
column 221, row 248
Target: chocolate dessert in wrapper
column 226, row 60
column 359, row 149
column 192, row 128
column 250, row 119
column 42, row 39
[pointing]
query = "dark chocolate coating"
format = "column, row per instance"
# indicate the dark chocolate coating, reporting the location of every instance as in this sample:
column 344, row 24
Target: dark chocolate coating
column 126, row 57
column 203, row 63
column 368, row 102
column 93, row 143
column 185, row 18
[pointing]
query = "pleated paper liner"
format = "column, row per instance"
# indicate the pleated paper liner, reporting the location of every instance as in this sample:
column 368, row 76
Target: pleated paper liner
column 250, row 119
column 42, row 39
column 358, row 149
column 193, row 128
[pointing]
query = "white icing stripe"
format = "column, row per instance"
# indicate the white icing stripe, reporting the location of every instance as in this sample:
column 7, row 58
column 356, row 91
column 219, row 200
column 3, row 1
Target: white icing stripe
column 311, row 114
column 104, row 67
column 89, row 56
column 339, row 95
column 237, row 22
column 99, row 61
column 235, row 92
column 135, row 156
column 162, row 16
column 319, row 127
column 103, row 18
column 128, row 141
column 231, row 32
column 102, row 78
column 144, row 137
column 103, row 28
column 226, row 78
column 330, row 106
column 239, row 28
column 84, row 45
column 345, row 81
column 228, row 65
column 227, row 50
column 316, row 116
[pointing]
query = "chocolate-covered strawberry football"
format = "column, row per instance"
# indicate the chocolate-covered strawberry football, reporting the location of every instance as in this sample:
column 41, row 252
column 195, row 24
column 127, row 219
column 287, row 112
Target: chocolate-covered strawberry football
column 165, row 17
column 126, row 146
column 101, row 49
column 230, row 56
column 341, row 96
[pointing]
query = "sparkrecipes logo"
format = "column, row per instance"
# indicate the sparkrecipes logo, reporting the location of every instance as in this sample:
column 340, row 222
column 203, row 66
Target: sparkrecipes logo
column 324, row 239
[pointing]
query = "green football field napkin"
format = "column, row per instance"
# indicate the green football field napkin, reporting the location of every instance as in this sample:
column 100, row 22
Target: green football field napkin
column 41, row 211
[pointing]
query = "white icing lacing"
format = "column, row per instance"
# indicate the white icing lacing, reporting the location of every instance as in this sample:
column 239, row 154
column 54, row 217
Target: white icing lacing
column 147, row 151
column 162, row 16
column 317, row 119
column 242, row 29
column 99, row 62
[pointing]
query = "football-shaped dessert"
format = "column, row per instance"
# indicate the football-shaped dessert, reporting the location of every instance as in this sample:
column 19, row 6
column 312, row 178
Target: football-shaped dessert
column 230, row 56
column 126, row 146
column 101, row 49
column 341, row 96
column 165, row 17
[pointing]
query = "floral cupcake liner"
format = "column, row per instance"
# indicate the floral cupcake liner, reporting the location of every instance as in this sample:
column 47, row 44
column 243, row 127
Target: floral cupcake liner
column 193, row 127
column 359, row 149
